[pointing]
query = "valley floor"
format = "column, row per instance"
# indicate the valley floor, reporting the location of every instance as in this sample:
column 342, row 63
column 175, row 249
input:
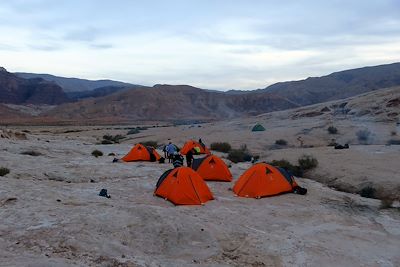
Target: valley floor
column 51, row 214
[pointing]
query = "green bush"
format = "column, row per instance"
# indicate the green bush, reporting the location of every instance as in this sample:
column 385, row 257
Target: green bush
column 221, row 147
column 332, row 130
column 239, row 155
column 281, row 142
column 133, row 131
column 368, row 192
column 386, row 203
column 151, row 143
column 142, row 128
column 4, row 171
column 283, row 163
column 393, row 142
column 97, row 153
column 107, row 142
column 110, row 139
column 307, row 162
column 107, row 137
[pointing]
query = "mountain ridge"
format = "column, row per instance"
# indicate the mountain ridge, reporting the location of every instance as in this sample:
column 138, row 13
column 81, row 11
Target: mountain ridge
column 71, row 84
column 16, row 90
column 164, row 102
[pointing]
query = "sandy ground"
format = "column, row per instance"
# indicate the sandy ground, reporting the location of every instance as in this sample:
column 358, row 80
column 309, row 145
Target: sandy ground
column 51, row 214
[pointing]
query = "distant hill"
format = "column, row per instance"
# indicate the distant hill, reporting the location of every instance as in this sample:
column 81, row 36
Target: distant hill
column 8, row 115
column 98, row 92
column 169, row 103
column 337, row 85
column 75, row 84
column 16, row 90
column 118, row 104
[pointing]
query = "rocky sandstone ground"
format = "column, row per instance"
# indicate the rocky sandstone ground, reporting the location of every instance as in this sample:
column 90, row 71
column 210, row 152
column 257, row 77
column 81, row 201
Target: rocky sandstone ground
column 52, row 214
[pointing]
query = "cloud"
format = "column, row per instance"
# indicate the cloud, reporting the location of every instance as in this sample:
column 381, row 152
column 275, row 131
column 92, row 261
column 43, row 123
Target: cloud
column 101, row 46
column 212, row 44
column 47, row 48
column 88, row 34
column 6, row 47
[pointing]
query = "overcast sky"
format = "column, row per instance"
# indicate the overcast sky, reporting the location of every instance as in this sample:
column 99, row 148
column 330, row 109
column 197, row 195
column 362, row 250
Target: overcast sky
column 215, row 44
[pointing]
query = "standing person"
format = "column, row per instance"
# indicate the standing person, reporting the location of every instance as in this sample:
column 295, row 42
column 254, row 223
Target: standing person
column 177, row 160
column 171, row 149
column 165, row 151
column 201, row 143
column 189, row 158
column 300, row 139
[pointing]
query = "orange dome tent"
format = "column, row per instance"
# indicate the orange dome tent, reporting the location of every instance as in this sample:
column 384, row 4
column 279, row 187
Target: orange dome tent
column 183, row 186
column 263, row 180
column 212, row 168
column 189, row 145
column 141, row 153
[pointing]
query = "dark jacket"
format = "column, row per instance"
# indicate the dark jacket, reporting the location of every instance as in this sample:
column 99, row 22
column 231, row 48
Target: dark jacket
column 177, row 161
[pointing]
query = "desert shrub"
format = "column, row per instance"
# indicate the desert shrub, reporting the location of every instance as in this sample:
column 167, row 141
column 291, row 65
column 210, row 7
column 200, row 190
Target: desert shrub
column 151, row 143
column 73, row 131
column 4, row 171
column 239, row 155
column 142, row 128
column 332, row 142
column 332, row 130
column 368, row 191
column 133, row 131
column 363, row 135
column 393, row 142
column 221, row 147
column 281, row 142
column 107, row 142
column 283, row 163
column 107, row 137
column 307, row 162
column 386, row 203
column 111, row 154
column 31, row 153
column 111, row 139
column 118, row 137
column 97, row 153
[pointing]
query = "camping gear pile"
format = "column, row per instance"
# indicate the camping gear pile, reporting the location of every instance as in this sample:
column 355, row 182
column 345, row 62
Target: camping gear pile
column 187, row 186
